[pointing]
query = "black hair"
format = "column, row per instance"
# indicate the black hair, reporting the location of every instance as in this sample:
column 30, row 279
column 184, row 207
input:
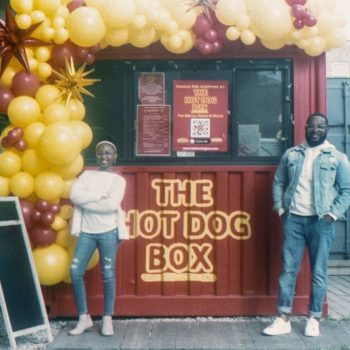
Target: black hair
column 317, row 114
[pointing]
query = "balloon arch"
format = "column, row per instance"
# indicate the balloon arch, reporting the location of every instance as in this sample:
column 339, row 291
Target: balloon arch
column 45, row 47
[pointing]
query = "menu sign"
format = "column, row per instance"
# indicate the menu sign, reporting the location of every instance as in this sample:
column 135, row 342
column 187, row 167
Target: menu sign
column 151, row 88
column 153, row 130
column 200, row 115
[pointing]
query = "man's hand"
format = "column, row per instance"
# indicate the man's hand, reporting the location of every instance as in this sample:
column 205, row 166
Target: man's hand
column 327, row 218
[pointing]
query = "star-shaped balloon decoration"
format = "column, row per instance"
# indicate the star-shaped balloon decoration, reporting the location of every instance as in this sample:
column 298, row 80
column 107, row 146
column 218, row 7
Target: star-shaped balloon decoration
column 14, row 40
column 72, row 82
column 206, row 6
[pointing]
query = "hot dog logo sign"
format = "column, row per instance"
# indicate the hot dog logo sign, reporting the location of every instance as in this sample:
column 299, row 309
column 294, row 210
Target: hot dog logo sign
column 184, row 213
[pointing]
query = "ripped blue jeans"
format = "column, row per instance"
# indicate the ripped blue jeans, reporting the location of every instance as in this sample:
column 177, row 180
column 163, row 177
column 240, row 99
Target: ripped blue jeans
column 107, row 244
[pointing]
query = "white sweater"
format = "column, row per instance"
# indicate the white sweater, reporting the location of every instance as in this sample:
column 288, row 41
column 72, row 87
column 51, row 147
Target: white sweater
column 97, row 196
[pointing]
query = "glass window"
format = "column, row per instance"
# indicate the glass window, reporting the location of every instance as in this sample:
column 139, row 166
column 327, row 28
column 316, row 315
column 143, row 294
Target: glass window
column 187, row 112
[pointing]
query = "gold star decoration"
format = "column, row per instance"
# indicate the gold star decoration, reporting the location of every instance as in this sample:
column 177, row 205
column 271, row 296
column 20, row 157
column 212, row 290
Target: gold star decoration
column 72, row 82
column 206, row 6
column 13, row 41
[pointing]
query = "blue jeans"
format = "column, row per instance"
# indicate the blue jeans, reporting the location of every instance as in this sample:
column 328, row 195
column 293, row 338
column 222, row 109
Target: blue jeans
column 317, row 235
column 107, row 244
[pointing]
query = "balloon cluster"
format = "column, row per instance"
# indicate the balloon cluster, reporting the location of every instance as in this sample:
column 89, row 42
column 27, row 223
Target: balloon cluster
column 302, row 15
column 14, row 139
column 207, row 37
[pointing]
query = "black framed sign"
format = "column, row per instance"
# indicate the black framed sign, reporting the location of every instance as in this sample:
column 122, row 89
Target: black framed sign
column 21, row 299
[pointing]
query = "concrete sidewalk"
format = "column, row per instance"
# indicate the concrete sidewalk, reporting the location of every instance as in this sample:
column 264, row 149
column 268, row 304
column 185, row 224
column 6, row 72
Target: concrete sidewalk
column 204, row 333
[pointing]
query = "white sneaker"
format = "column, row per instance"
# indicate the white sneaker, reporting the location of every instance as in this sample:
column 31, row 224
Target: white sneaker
column 84, row 323
column 107, row 326
column 278, row 327
column 312, row 328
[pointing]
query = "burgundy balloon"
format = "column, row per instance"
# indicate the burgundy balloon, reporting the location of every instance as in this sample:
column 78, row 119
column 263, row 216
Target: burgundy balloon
column 216, row 46
column 19, row 130
column 81, row 52
column 90, row 59
column 309, row 20
column 6, row 97
column 36, row 215
column 55, row 208
column 73, row 5
column 298, row 24
column 95, row 49
column 42, row 205
column 210, row 36
column 6, row 142
column 47, row 218
column 62, row 52
column 298, row 11
column 201, row 25
column 14, row 136
column 27, row 208
column 21, row 145
column 24, row 83
column 206, row 49
column 42, row 236
column 199, row 43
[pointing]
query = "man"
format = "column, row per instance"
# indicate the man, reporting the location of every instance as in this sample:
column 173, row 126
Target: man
column 311, row 190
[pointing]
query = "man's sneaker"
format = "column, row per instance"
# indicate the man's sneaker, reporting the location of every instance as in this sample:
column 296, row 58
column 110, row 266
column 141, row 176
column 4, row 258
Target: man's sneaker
column 278, row 327
column 312, row 328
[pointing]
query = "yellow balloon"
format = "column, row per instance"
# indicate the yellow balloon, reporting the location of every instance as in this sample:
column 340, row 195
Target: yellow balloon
column 273, row 44
column 37, row 16
column 22, row 184
column 59, row 223
column 142, row 38
column 44, row 70
column 83, row 132
column 46, row 95
column 23, row 21
column 63, row 237
column 76, row 109
column 228, row 11
column 33, row 163
column 317, row 45
column 42, row 54
column 52, row 263
column 232, row 33
column 7, row 76
column 4, row 186
column 32, row 133
column 184, row 16
column 66, row 211
column 61, row 36
column 270, row 19
column 55, row 113
column 23, row 110
column 70, row 170
column 116, row 36
column 67, row 185
column 22, row 6
column 59, row 144
column 48, row 185
column 10, row 163
column 117, row 13
column 85, row 26
column 49, row 7
column 248, row 37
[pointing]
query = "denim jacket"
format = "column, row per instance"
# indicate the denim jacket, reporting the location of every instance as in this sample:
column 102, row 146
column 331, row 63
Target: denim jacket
column 331, row 181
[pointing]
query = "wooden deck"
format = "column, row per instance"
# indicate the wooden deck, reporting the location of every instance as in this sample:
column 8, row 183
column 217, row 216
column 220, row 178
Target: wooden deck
column 339, row 297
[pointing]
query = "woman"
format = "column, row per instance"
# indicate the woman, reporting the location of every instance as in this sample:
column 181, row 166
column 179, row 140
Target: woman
column 98, row 218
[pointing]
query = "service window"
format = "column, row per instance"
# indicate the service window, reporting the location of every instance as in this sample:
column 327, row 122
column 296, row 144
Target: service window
column 187, row 112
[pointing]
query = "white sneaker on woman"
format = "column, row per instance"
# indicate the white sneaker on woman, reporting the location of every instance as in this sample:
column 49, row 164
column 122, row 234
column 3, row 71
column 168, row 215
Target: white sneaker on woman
column 84, row 323
column 278, row 327
column 107, row 326
column 312, row 328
